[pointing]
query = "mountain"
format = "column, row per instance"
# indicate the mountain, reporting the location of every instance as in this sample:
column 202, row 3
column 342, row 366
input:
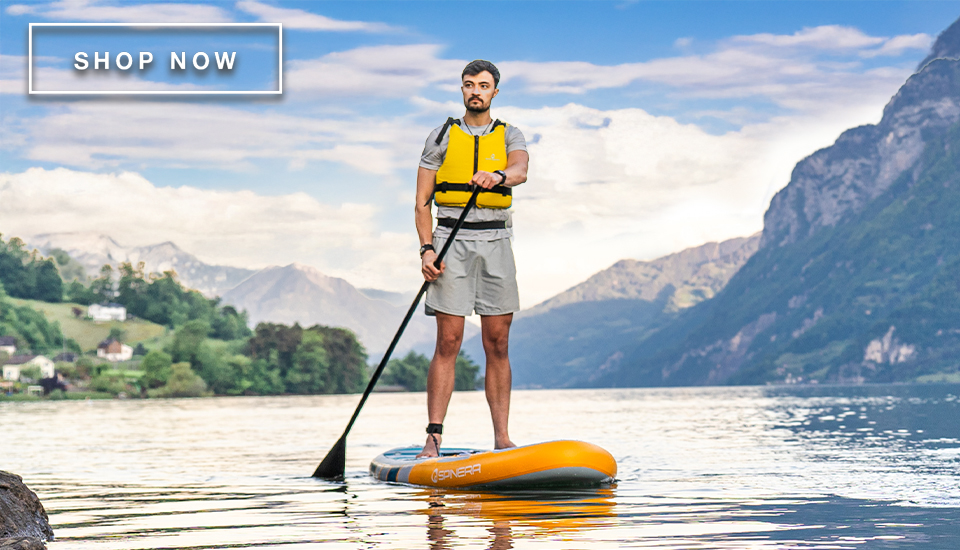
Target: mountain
column 856, row 276
column 570, row 338
column 302, row 294
column 947, row 45
column 94, row 250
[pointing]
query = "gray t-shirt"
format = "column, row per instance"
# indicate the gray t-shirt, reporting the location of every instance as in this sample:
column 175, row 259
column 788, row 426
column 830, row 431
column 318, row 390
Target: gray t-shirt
column 432, row 158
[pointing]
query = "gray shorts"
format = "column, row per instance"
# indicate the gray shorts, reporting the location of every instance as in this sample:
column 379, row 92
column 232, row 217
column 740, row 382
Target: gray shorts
column 480, row 276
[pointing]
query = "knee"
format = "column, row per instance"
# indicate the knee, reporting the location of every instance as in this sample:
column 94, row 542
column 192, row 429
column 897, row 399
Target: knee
column 496, row 345
column 448, row 344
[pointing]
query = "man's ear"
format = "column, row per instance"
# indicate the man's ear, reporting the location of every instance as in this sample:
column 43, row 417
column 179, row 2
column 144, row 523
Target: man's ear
column 495, row 92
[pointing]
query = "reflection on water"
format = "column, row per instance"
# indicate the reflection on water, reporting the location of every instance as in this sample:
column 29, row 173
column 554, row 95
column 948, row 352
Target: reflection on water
column 549, row 514
column 757, row 468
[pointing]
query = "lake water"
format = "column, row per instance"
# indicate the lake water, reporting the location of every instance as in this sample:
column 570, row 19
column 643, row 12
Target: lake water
column 731, row 468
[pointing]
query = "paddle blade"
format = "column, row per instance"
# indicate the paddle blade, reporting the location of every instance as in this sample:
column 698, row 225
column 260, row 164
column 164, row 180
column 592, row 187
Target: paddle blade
column 334, row 464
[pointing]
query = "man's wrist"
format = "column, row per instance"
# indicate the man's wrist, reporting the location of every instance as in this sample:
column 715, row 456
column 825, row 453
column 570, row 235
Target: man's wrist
column 503, row 176
column 424, row 248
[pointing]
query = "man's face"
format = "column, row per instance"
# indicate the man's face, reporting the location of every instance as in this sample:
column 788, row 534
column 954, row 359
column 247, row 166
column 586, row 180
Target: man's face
column 478, row 91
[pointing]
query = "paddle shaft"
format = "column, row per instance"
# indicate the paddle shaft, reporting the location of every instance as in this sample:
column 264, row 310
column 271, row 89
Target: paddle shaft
column 413, row 307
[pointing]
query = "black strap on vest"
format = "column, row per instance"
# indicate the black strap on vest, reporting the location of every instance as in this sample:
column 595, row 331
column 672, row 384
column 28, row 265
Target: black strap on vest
column 476, row 226
column 450, row 121
column 444, row 186
column 446, row 125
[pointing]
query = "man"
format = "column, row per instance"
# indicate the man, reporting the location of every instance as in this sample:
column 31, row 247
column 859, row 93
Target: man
column 478, row 273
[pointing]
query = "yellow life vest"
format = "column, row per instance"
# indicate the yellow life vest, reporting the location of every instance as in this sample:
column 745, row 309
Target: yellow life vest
column 466, row 155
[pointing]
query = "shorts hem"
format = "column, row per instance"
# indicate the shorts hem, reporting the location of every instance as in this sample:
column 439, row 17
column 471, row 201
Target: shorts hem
column 491, row 314
column 432, row 311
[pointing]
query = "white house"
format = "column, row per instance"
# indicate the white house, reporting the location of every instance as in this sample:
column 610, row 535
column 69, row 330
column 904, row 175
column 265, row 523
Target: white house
column 14, row 365
column 107, row 312
column 8, row 344
column 113, row 351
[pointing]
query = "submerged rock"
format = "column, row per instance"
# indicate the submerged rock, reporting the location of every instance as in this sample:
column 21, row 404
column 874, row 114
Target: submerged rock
column 23, row 521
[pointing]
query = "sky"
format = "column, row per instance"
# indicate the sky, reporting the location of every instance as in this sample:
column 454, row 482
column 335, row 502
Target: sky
column 651, row 126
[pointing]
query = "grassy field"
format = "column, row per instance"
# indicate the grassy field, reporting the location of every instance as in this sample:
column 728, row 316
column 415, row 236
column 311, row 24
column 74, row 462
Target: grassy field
column 89, row 333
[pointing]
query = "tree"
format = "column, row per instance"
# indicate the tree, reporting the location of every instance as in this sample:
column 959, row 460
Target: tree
column 49, row 285
column 183, row 382
column 117, row 334
column 188, row 342
column 466, row 373
column 101, row 288
column 309, row 372
column 348, row 359
column 156, row 367
column 409, row 372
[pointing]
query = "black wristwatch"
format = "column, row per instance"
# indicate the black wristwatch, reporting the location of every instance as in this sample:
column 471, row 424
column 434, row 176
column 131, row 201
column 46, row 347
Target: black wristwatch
column 502, row 175
column 426, row 247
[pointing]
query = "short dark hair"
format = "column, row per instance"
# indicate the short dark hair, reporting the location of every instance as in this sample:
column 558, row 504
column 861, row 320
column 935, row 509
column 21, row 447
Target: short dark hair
column 477, row 66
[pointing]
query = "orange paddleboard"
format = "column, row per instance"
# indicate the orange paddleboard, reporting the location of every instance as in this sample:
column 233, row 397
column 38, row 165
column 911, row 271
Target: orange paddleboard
column 550, row 464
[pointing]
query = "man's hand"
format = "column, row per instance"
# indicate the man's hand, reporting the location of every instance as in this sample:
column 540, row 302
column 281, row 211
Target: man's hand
column 431, row 273
column 487, row 180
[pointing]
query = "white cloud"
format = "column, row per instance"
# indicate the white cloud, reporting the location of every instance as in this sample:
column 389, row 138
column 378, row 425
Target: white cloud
column 608, row 185
column 384, row 71
column 122, row 12
column 210, row 135
column 799, row 71
column 897, row 44
column 824, row 37
column 813, row 67
column 229, row 227
column 304, row 20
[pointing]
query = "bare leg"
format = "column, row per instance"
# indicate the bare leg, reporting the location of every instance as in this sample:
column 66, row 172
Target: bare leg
column 495, row 330
column 442, row 374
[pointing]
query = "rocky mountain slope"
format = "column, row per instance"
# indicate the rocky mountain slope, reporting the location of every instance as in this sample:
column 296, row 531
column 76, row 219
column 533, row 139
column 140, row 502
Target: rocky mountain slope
column 94, row 251
column 856, row 276
column 570, row 338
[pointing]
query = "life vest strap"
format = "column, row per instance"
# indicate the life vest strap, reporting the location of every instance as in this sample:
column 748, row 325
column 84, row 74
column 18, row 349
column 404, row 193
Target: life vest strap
column 451, row 121
column 446, row 125
column 444, row 186
column 450, row 222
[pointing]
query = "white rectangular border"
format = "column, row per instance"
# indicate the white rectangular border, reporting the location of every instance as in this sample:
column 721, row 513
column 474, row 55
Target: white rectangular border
column 279, row 26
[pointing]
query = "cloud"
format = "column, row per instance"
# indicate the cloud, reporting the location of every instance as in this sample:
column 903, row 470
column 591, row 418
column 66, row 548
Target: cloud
column 379, row 71
column 611, row 184
column 304, row 20
column 897, row 44
column 229, row 227
column 122, row 12
column 798, row 71
column 206, row 135
column 824, row 37
column 812, row 67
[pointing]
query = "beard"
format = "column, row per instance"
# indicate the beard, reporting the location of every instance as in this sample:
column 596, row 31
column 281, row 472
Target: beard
column 476, row 107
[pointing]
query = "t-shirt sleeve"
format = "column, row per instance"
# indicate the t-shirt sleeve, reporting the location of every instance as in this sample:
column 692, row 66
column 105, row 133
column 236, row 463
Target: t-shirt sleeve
column 432, row 156
column 515, row 140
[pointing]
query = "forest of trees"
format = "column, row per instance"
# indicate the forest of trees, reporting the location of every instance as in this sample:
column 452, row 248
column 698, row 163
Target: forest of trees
column 210, row 350
column 411, row 372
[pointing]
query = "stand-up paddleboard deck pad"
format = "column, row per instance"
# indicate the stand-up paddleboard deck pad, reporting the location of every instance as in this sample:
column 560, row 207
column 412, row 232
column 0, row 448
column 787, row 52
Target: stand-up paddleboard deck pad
column 550, row 464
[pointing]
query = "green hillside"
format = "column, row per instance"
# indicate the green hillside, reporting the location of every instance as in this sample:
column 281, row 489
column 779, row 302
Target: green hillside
column 89, row 333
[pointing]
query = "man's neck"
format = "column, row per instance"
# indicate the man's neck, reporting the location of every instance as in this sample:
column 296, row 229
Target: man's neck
column 477, row 119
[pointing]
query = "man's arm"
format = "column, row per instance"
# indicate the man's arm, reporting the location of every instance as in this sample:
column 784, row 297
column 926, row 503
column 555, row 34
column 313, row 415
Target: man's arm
column 516, row 172
column 426, row 179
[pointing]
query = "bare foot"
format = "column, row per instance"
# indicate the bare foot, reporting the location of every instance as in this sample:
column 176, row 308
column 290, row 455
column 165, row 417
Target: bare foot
column 504, row 444
column 432, row 447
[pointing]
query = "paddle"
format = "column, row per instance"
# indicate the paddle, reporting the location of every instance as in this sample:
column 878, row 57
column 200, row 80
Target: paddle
column 333, row 465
